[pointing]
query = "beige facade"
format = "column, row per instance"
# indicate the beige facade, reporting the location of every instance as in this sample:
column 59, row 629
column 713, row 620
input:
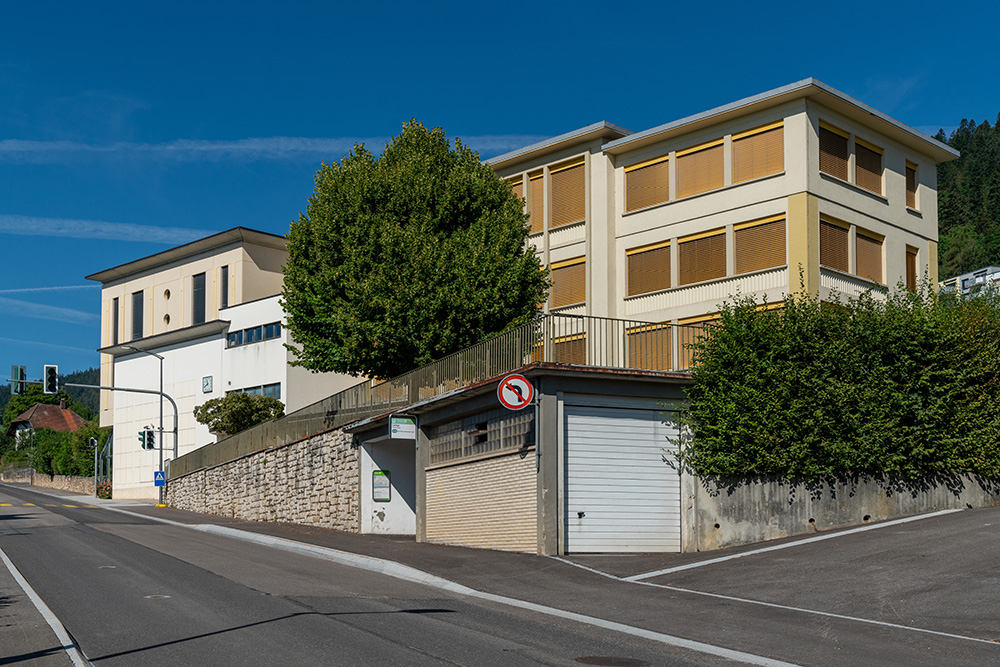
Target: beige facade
column 666, row 224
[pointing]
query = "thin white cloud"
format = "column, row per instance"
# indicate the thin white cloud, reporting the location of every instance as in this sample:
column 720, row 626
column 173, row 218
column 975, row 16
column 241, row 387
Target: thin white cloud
column 57, row 288
column 252, row 149
column 50, row 346
column 96, row 229
column 43, row 312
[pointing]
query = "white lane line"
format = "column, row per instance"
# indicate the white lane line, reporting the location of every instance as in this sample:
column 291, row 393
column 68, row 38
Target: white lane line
column 74, row 653
column 406, row 573
column 788, row 545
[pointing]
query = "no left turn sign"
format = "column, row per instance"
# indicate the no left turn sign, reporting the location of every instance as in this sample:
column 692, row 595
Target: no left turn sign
column 515, row 392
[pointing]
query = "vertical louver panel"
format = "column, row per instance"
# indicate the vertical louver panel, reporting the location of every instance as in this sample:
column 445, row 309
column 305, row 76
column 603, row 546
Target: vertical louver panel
column 536, row 203
column 647, row 185
column 760, row 246
column 569, row 283
column 833, row 249
column 868, row 168
column 759, row 154
column 648, row 270
column 702, row 259
column 911, row 185
column 569, row 195
column 700, row 171
column 649, row 348
column 833, row 151
column 911, row 270
column 869, row 258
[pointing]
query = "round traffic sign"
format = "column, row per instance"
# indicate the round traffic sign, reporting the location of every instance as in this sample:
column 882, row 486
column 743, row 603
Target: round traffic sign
column 515, row 392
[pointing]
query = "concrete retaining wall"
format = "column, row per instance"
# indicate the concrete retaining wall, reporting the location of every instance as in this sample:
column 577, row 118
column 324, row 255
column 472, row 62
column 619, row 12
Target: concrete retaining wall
column 721, row 513
column 313, row 481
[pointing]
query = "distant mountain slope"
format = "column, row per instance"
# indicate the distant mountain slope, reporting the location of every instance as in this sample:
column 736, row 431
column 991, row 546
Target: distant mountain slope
column 89, row 397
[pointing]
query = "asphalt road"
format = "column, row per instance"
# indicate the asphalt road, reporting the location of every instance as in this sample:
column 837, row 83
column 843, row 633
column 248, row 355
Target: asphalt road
column 133, row 591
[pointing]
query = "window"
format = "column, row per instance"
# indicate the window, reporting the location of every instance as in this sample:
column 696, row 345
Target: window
column 254, row 334
column 273, row 390
column 224, row 287
column 198, row 299
column 760, row 244
column 868, row 166
column 136, row 315
column 536, row 202
column 759, row 152
column 833, row 241
column 648, row 268
column 911, row 185
column 700, row 168
column 649, row 347
column 834, row 151
column 647, row 183
column 689, row 332
column 569, row 282
column 569, row 194
column 235, row 338
column 911, row 269
column 272, row 331
column 114, row 321
column 702, row 257
column 570, row 350
column 480, row 434
column 868, row 249
column 517, row 185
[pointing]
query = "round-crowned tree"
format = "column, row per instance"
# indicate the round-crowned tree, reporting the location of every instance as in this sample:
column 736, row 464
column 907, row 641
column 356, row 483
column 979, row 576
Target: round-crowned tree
column 406, row 257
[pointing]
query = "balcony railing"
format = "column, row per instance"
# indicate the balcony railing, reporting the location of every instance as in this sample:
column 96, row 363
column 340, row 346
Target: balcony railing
column 560, row 339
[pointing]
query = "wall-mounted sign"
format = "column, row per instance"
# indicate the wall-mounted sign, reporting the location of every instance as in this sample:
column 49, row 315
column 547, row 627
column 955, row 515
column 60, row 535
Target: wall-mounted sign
column 381, row 486
column 402, row 427
column 515, row 392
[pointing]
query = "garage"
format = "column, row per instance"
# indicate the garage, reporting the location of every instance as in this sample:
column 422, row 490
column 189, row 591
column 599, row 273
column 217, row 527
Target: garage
column 622, row 488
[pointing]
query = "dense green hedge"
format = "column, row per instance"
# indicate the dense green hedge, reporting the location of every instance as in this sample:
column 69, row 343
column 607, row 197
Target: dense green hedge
column 907, row 386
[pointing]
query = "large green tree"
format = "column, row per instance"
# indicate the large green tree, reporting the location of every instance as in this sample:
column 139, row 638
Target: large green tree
column 406, row 257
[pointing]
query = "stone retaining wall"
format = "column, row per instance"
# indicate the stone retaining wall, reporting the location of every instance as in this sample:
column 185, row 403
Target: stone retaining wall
column 313, row 481
column 17, row 475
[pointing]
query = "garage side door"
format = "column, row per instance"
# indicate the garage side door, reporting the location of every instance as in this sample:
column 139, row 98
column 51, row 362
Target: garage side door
column 621, row 496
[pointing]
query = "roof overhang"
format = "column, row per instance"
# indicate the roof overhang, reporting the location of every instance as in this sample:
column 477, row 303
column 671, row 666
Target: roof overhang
column 184, row 335
column 598, row 131
column 228, row 237
column 806, row 89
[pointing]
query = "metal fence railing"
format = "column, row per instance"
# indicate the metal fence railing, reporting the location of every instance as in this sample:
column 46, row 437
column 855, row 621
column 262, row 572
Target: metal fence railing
column 560, row 339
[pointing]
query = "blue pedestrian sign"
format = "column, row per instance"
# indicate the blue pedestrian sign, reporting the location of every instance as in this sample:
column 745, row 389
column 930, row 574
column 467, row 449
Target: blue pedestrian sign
column 159, row 479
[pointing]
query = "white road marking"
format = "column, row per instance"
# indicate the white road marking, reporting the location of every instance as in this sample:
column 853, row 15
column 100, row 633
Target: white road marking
column 74, row 653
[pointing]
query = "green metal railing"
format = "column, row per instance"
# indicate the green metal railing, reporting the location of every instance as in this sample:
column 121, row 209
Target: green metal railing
column 559, row 339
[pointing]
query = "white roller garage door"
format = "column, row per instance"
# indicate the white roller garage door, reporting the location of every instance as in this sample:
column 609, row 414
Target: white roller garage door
column 621, row 496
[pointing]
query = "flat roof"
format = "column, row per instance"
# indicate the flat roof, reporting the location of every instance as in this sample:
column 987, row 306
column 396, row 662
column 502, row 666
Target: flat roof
column 234, row 235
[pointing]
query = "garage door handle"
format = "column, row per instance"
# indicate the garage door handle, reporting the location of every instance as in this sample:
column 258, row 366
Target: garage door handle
column 581, row 514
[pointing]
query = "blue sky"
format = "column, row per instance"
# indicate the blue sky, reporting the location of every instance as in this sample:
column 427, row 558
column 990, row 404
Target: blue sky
column 126, row 128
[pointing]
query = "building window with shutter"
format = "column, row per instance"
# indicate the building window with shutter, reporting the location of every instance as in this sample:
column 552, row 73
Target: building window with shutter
column 648, row 268
column 868, row 249
column 911, row 269
column 834, row 151
column 911, row 185
column 198, row 299
column 224, row 287
column 114, row 321
column 833, row 245
column 569, row 282
column 759, row 244
column 647, row 183
column 569, row 193
column 649, row 347
column 136, row 315
column 536, row 202
column 702, row 257
column 700, row 168
column 868, row 166
column 759, row 152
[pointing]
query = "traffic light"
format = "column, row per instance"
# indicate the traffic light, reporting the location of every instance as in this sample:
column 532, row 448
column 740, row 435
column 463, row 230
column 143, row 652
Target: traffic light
column 18, row 374
column 147, row 440
column 50, row 379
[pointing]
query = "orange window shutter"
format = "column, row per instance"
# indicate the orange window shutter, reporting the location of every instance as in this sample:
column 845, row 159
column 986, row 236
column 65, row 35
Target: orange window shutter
column 911, row 270
column 760, row 247
column 833, row 246
column 569, row 196
column 570, row 351
column 569, row 285
column 759, row 155
column 649, row 270
column 702, row 259
column 869, row 257
column 649, row 348
column 536, row 203
column 911, row 187
column 518, row 188
column 868, row 171
column 833, row 150
column 700, row 171
column 647, row 186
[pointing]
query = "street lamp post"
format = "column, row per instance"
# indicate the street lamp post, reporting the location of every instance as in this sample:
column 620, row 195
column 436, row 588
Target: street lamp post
column 160, row 441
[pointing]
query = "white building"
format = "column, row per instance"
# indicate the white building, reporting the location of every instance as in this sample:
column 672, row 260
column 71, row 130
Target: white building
column 210, row 309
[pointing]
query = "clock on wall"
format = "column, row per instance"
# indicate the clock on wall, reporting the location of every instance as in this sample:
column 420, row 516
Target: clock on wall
column 206, row 384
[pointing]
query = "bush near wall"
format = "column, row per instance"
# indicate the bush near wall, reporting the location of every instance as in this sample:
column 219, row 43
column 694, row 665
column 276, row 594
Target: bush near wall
column 906, row 387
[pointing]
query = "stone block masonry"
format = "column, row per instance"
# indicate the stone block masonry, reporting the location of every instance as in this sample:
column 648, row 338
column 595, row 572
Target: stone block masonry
column 312, row 482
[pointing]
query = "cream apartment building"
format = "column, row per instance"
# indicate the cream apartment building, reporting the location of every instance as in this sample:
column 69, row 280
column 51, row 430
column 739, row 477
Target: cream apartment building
column 211, row 309
column 801, row 186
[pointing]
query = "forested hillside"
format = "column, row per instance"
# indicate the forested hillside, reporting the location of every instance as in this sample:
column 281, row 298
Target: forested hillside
column 88, row 397
column 969, row 199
